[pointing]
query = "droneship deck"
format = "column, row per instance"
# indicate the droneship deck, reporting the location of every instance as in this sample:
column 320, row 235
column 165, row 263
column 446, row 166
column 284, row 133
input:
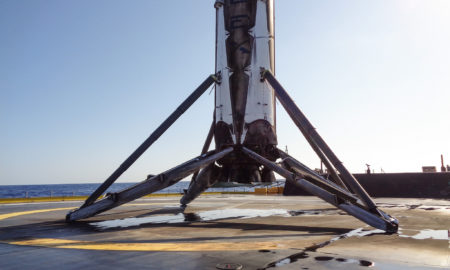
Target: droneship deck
column 228, row 231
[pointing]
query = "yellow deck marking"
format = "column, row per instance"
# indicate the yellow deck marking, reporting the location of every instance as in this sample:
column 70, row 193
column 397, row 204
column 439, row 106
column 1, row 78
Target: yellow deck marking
column 178, row 246
column 182, row 246
column 15, row 214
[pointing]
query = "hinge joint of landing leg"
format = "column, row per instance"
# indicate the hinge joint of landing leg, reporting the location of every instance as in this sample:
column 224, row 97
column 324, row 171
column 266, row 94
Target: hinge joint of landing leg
column 263, row 72
column 340, row 200
column 161, row 178
column 217, row 77
column 293, row 177
column 113, row 196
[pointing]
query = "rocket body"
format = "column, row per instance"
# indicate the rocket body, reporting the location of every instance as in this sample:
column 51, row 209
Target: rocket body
column 245, row 105
column 244, row 113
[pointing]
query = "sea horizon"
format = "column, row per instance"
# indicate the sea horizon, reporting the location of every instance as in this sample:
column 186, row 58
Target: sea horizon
column 85, row 189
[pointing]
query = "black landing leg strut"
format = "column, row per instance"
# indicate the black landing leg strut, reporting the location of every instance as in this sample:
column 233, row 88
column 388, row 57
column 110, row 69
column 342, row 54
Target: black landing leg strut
column 89, row 209
column 346, row 193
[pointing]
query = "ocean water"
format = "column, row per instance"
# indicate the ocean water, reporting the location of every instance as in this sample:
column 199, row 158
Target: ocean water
column 57, row 190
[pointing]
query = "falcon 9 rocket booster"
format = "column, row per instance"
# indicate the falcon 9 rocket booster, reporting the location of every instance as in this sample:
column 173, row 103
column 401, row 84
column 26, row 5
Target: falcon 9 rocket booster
column 244, row 104
column 244, row 128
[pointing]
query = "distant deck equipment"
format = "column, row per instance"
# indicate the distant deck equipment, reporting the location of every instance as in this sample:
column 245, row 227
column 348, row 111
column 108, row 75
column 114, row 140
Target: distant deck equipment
column 428, row 169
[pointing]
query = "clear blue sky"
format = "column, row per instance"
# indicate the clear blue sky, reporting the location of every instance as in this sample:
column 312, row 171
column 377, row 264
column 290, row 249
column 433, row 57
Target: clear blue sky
column 83, row 83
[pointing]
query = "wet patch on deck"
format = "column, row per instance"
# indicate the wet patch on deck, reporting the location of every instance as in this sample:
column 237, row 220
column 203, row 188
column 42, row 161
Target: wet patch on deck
column 179, row 216
column 306, row 253
column 428, row 234
column 415, row 206
column 182, row 217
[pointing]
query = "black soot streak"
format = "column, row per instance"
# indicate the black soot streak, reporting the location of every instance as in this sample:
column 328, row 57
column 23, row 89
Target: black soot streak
column 366, row 263
column 323, row 258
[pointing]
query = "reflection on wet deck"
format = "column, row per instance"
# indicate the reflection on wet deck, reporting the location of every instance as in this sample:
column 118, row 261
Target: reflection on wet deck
column 256, row 232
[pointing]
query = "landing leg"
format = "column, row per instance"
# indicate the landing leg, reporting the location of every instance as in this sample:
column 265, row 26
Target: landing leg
column 151, row 185
column 150, row 140
column 205, row 179
column 316, row 141
column 331, row 193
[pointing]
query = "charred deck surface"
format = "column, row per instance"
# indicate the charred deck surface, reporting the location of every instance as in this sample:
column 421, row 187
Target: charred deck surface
column 258, row 232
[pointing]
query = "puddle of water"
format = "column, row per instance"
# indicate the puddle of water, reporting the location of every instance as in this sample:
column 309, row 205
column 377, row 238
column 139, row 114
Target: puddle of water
column 291, row 259
column 416, row 206
column 342, row 260
column 304, row 212
column 283, row 262
column 229, row 266
column 430, row 234
column 241, row 213
column 423, row 234
column 304, row 255
column 190, row 217
column 312, row 212
column 360, row 232
column 434, row 208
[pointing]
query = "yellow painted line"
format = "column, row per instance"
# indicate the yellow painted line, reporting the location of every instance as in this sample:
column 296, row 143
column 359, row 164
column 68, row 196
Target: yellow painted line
column 15, row 214
column 182, row 246
column 167, row 246
column 41, row 199
column 82, row 198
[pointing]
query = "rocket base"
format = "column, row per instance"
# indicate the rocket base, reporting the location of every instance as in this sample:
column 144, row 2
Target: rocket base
column 345, row 194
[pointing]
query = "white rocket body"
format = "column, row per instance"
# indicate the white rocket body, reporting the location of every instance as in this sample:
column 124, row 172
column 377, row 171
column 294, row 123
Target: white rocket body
column 245, row 105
